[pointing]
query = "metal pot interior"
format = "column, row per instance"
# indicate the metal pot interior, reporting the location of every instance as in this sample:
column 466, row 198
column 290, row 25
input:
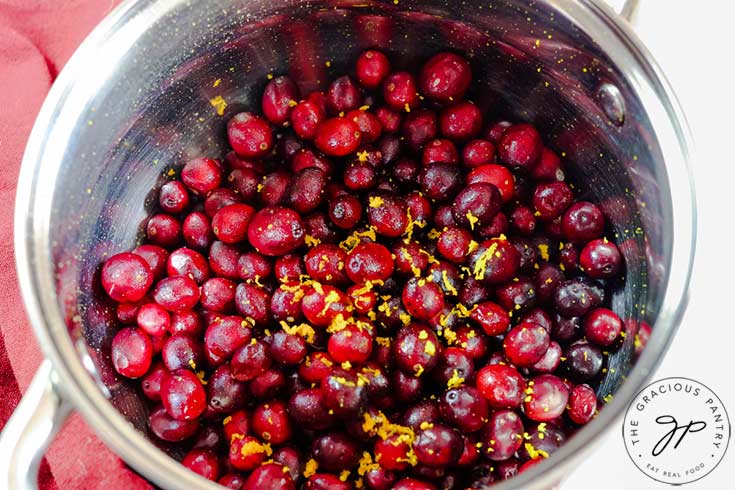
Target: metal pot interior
column 146, row 110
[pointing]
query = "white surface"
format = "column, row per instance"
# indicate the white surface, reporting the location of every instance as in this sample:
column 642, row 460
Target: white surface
column 693, row 42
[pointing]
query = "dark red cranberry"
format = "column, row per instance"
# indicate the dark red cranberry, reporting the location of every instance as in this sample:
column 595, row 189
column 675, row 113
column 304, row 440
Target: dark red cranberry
column 173, row 197
column 455, row 366
column 445, row 77
column 542, row 440
column 224, row 392
column 247, row 453
column 389, row 120
column 285, row 304
column 156, row 258
column 502, row 436
column 582, row 404
column 305, row 119
column 182, row 395
column 526, row 344
column 477, row 153
column 276, row 231
column 551, row 200
column 197, row 230
column 270, row 422
column 582, row 361
column 151, row 382
column 279, row 97
column 307, row 409
column 181, row 351
column 400, row 92
column 153, row 319
column 274, row 188
column 388, row 215
column 320, row 228
column 495, row 261
column 419, row 127
column 249, row 135
column 245, row 182
column 476, row 205
column 359, row 176
column 411, row 259
column 219, row 198
column 518, row 295
column 287, row 349
column 268, row 385
column 222, row 338
column 325, row 481
column 582, row 222
column 577, row 296
column 566, row 329
column 440, row 181
column 306, row 191
column 454, row 244
column 520, row 147
column 547, row 280
column 291, row 458
column 464, row 408
column 602, row 326
column 439, row 151
column 368, row 123
column 502, row 385
column 126, row 277
column 131, row 352
column 252, row 266
column 522, row 220
column 343, row 96
column 335, row 452
column 473, row 292
column 252, row 302
column 233, row 481
column 422, row 299
column 288, row 268
column 569, row 257
column 472, row 341
column 406, row 171
column 337, row 137
column 345, row 211
column 287, row 146
column 416, row 349
column 273, row 476
column 372, row 67
column 250, row 360
column 176, row 293
column 438, row 446
column 461, row 121
column 344, row 393
column 169, row 429
column 496, row 130
column 406, row 387
column 600, row 259
column 187, row 262
column 201, row 175
column 549, row 167
column 163, row 230
column 548, row 399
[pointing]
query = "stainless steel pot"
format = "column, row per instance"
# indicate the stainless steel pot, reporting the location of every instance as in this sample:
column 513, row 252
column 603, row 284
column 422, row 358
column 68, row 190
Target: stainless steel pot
column 133, row 103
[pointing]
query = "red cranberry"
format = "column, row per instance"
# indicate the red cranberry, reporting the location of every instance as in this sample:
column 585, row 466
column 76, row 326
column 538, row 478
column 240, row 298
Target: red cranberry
column 526, row 344
column 247, row 453
column 464, row 408
column 169, row 429
column 343, row 393
column 249, row 135
column 461, row 121
column 547, row 400
column 325, row 481
column 270, row 422
column 569, row 257
column 244, row 181
column 181, row 351
column 202, row 175
column 496, row 175
column 493, row 319
column 326, row 263
column 600, row 259
column 517, row 295
column 495, row 261
column 372, row 68
column 438, row 446
column 272, row 476
column 177, row 293
column 156, row 258
column 352, row 344
column 582, row 222
column 335, row 452
column 520, row 147
column 236, row 425
column 549, row 167
column 412, row 484
column 388, row 215
column 406, row 171
column 153, row 319
column 338, row 137
column 476, row 205
column 250, row 360
column 322, row 303
column 186, row 262
column 400, row 92
column 274, row 187
column 343, row 96
column 252, row 266
column 252, row 302
column 290, row 458
column 419, row 127
column 582, row 404
column 422, row 299
column 522, row 220
column 496, row 130
column 232, row 481
column 369, row 262
column 305, row 119
column 602, row 326
column 582, row 361
column 547, row 280
column 368, row 123
column 472, row 341
column 440, row 181
column 173, row 197
column 276, row 231
column 279, row 97
column 502, row 385
column 318, row 226
column 222, row 338
column 439, row 151
column 126, row 277
column 473, row 292
column 359, row 176
column 230, row 223
column 289, row 268
column 477, row 153
column 151, row 382
column 551, row 359
column 551, row 200
column 182, row 395
column 224, row 392
column 389, row 120
column 131, row 352
column 502, row 436
column 268, row 385
column 445, row 77
column 577, row 296
column 163, row 230
column 454, row 366
column 416, row 349
column 197, row 230
column 223, row 260
column 393, row 453
column 345, row 211
column 307, row 409
column 455, row 244
column 287, row 349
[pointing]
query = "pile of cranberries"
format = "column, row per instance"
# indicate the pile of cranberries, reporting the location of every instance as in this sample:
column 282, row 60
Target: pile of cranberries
column 375, row 289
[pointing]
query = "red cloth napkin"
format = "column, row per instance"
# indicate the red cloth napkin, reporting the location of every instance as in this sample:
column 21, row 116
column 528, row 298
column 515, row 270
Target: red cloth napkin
column 36, row 38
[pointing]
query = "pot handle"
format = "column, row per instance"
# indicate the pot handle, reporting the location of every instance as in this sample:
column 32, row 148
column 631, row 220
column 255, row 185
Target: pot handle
column 29, row 431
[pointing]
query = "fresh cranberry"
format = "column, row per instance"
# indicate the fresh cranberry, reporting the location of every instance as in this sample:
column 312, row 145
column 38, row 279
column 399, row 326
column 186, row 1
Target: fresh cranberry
column 322, row 304
column 582, row 404
column 551, row 200
column 412, row 484
column 276, row 231
column 602, row 326
column 472, row 341
column 151, row 382
column 343, row 96
column 335, row 452
column 244, row 182
column 279, row 97
column 163, row 230
column 131, row 352
column 305, row 119
column 526, row 344
column 518, row 295
column 522, row 220
column 440, row 181
column 461, row 121
column 126, row 277
column 498, row 226
column 176, row 293
column 520, row 147
column 268, row 385
column 338, row 137
column 445, row 77
column 416, row 349
column 502, row 436
column 201, row 175
column 182, row 395
column 549, row 167
column 287, row 349
column 493, row 319
column 345, row 211
column 547, row 400
column 369, row 124
column 197, row 230
column 247, row 453
column 181, row 351
column 438, row 446
column 422, row 299
column 389, row 120
column 270, row 422
column 551, row 359
column 582, row 361
column 153, row 319
column 233, row 481
column 352, row 344
column 222, row 338
column 289, row 268
column 419, row 127
column 369, row 262
column 502, row 385
column 249, row 135
column 156, row 258
column 187, row 262
column 455, row 366
column 464, row 408
column 325, row 481
column 582, row 222
column 291, row 458
column 477, row 153
column 400, row 92
column 252, row 302
column 173, row 197
column 577, row 296
column 272, row 476
column 224, row 392
column 319, row 227
column 252, row 266
column 439, row 151
column 600, row 259
column 250, row 360
column 359, row 176
column 495, row 261
column 455, row 244
column 476, row 205
column 223, row 259
column 388, row 215
column 274, row 187
column 343, row 393
column 496, row 130
column 169, row 429
column 393, row 453
column 372, row 67
column 230, row 224
column 307, row 408
column 306, row 191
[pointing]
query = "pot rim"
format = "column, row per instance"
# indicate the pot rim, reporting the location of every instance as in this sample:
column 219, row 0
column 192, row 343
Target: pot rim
column 35, row 269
